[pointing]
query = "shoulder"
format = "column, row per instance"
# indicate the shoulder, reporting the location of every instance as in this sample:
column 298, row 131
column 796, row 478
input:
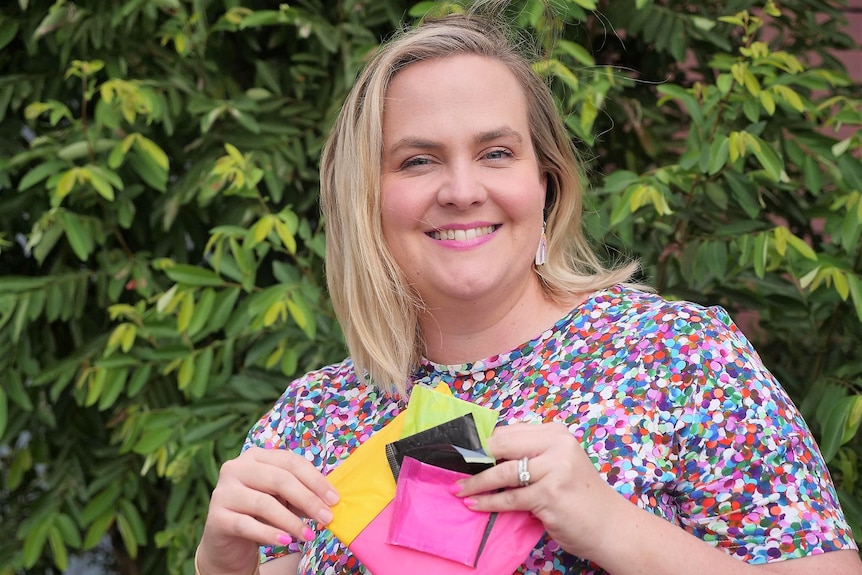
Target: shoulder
column 303, row 398
column 679, row 350
column 328, row 383
column 629, row 304
column 323, row 413
column 630, row 316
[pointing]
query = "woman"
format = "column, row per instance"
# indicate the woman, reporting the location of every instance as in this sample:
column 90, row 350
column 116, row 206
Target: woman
column 645, row 435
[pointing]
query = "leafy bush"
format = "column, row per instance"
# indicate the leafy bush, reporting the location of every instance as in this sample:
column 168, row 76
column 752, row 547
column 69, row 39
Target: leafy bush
column 161, row 247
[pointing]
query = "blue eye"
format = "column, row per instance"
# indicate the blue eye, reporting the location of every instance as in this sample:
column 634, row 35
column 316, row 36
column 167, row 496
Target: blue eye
column 419, row 161
column 498, row 154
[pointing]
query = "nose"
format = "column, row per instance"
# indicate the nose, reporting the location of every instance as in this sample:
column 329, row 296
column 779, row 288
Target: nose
column 462, row 187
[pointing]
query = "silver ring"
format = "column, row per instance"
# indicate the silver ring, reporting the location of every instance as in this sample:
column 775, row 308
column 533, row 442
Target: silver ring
column 523, row 472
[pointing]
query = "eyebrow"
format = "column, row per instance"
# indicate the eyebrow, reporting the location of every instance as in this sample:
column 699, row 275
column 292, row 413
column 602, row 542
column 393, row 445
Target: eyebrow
column 481, row 138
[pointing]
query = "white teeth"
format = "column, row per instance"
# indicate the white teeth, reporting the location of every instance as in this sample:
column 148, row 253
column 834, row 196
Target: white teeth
column 461, row 235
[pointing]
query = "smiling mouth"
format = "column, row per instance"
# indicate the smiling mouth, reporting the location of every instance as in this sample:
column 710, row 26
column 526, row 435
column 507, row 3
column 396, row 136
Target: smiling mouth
column 462, row 235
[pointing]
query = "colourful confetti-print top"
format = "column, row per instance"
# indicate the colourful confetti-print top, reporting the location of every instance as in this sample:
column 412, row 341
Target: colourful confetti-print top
column 669, row 400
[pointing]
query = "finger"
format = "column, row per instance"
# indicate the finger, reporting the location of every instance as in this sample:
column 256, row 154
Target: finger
column 294, row 480
column 504, row 475
column 300, row 467
column 272, row 525
column 522, row 439
column 271, row 486
column 516, row 499
column 260, row 507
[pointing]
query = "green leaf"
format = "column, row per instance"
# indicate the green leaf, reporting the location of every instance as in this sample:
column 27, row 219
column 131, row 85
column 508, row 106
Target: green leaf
column 118, row 154
column 43, row 248
column 718, row 154
column 301, row 314
column 34, row 543
column 769, row 159
column 22, row 462
column 68, row 530
column 139, row 379
column 15, row 390
column 691, row 105
column 833, row 425
column 58, row 548
column 78, row 233
column 153, row 439
column 95, row 385
column 8, row 30
column 55, row 19
column 17, row 284
column 100, row 183
column 618, row 180
column 149, row 170
column 202, row 374
column 127, row 535
column 716, row 195
column 65, row 182
column 812, row 175
column 74, row 151
column 186, row 372
column 202, row 310
column 744, row 192
column 854, row 283
column 193, row 275
column 97, row 529
column 39, row 173
column 153, row 152
column 130, row 512
column 20, row 320
column 724, row 83
column 761, row 254
column 4, row 412
column 801, row 247
column 854, row 419
column 576, row 51
column 209, row 429
column 187, row 310
column 115, row 383
column 287, row 239
column 222, row 308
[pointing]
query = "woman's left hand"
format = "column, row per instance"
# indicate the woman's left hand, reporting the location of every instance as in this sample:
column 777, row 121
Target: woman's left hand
column 566, row 493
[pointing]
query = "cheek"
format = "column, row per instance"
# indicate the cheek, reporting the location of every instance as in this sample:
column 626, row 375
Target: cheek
column 528, row 202
column 401, row 208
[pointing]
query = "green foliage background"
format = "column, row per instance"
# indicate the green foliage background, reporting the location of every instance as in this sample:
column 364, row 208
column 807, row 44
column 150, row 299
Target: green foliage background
column 161, row 246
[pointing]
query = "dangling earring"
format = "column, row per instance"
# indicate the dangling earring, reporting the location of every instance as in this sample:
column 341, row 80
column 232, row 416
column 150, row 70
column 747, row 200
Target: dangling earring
column 542, row 251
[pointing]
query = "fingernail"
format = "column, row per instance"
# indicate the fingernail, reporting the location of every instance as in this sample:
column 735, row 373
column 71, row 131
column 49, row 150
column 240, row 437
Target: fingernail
column 331, row 497
column 470, row 502
column 284, row 539
column 308, row 534
column 455, row 488
column 324, row 515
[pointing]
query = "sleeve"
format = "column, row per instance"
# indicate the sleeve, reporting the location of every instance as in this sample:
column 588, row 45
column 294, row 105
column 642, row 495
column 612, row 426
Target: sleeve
column 751, row 479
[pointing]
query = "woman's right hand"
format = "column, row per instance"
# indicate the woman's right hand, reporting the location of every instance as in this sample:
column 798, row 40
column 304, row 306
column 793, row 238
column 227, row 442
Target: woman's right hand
column 261, row 498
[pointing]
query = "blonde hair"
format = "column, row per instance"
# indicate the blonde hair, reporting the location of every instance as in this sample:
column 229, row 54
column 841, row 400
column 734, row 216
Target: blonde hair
column 378, row 311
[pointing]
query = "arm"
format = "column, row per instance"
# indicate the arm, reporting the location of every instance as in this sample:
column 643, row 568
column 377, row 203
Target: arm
column 261, row 497
column 589, row 519
column 640, row 542
column 724, row 452
column 281, row 566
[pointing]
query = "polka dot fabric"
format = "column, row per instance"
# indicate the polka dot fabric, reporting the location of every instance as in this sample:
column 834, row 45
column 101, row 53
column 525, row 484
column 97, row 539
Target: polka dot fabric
column 669, row 400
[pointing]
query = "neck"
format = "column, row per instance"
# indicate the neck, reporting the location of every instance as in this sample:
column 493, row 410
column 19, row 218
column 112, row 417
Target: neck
column 467, row 331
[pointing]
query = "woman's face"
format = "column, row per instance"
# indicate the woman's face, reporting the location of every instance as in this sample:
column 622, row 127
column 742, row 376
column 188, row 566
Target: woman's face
column 462, row 193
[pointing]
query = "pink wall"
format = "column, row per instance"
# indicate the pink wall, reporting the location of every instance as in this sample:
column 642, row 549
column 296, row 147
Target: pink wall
column 853, row 60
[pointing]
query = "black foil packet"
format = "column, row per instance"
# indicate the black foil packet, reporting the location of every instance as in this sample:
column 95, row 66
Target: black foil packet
column 453, row 445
